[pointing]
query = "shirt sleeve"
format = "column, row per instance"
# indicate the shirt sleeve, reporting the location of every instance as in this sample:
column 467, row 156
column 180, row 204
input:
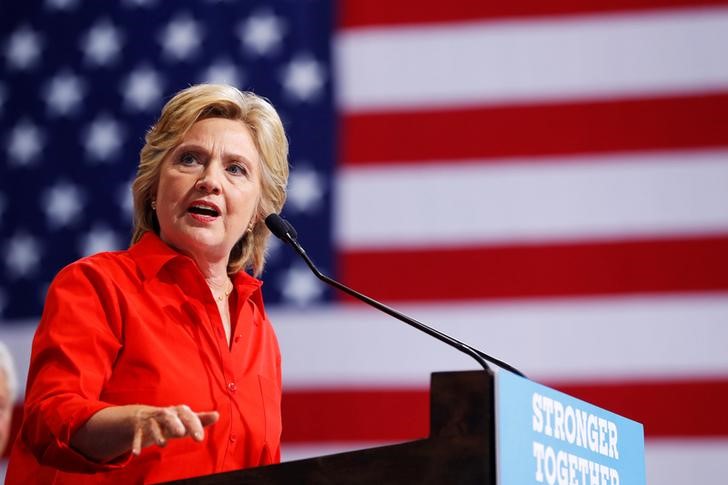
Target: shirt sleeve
column 75, row 346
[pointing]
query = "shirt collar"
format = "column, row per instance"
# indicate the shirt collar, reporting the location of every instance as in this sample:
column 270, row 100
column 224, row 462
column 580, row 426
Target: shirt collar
column 152, row 254
column 245, row 283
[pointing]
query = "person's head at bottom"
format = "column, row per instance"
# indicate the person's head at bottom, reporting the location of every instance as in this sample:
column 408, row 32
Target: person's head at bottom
column 8, row 393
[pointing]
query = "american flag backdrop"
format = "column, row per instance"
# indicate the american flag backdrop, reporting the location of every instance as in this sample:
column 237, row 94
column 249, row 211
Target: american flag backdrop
column 547, row 181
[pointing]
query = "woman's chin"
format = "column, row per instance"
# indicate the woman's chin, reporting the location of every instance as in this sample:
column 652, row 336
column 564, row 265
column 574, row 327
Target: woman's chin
column 201, row 241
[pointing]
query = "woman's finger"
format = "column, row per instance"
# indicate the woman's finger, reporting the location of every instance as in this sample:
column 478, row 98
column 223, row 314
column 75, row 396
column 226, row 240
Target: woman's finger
column 209, row 417
column 170, row 423
column 136, row 444
column 156, row 432
column 191, row 422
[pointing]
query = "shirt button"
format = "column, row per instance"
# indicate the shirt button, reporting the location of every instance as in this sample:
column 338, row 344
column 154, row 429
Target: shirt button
column 233, row 438
column 232, row 387
column 237, row 338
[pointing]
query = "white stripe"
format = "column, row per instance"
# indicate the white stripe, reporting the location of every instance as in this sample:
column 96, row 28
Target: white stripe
column 291, row 452
column 579, row 339
column 598, row 338
column 668, row 462
column 682, row 462
column 615, row 196
column 510, row 61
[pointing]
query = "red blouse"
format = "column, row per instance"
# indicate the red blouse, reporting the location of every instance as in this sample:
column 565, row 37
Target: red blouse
column 142, row 327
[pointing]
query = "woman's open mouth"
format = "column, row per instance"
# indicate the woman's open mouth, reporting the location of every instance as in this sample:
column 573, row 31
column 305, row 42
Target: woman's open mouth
column 203, row 211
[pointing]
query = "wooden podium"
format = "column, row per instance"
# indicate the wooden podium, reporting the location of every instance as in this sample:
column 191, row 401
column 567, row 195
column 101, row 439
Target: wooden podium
column 460, row 448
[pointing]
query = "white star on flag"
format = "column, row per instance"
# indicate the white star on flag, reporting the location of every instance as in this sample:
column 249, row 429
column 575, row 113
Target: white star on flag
column 22, row 255
column 64, row 93
column 299, row 286
column 223, row 72
column 23, row 48
column 305, row 189
column 102, row 138
column 61, row 4
column 181, row 38
column 25, row 144
column 142, row 89
column 102, row 44
column 261, row 33
column 139, row 3
column 99, row 239
column 303, row 78
column 62, row 203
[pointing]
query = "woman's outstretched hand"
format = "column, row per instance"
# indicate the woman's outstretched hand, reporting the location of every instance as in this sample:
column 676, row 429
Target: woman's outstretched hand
column 157, row 425
column 116, row 430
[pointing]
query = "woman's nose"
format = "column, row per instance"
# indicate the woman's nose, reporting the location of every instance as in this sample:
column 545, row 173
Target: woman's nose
column 209, row 182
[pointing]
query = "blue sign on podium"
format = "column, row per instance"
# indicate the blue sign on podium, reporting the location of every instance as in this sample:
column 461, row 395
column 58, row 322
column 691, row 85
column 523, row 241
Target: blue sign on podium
column 547, row 437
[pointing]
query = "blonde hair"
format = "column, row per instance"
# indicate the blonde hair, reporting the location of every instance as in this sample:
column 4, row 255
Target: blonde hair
column 201, row 102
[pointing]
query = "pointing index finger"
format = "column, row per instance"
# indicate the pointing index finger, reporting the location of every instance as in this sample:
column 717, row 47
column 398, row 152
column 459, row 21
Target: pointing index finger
column 209, row 417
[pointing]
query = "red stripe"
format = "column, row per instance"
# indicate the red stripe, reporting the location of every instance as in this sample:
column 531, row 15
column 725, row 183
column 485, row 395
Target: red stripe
column 677, row 408
column 667, row 409
column 370, row 13
column 528, row 130
column 356, row 415
column 623, row 267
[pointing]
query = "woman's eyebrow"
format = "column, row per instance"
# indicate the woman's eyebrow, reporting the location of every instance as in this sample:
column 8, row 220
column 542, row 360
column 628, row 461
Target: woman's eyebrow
column 196, row 147
column 190, row 146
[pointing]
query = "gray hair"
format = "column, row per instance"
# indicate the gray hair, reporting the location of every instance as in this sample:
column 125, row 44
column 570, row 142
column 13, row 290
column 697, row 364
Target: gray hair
column 7, row 365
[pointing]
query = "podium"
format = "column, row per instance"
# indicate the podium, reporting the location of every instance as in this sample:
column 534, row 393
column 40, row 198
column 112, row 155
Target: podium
column 484, row 429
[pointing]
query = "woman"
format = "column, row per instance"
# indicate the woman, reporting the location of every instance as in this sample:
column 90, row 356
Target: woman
column 158, row 362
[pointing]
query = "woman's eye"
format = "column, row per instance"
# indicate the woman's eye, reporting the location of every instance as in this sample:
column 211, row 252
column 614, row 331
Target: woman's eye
column 237, row 169
column 188, row 159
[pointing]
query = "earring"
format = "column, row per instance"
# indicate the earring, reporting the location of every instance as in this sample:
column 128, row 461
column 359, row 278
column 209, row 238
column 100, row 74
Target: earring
column 250, row 227
column 154, row 204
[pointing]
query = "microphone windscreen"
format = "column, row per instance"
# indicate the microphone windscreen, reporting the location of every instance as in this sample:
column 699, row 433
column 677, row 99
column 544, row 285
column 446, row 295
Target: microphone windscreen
column 278, row 226
column 291, row 230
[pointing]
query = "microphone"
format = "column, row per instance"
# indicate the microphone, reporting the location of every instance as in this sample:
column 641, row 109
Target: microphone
column 281, row 228
column 284, row 231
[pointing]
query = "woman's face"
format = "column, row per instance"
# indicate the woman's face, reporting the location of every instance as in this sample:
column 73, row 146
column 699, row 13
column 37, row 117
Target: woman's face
column 209, row 189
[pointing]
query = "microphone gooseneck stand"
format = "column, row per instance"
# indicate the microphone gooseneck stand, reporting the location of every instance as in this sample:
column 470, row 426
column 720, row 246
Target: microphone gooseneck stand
column 283, row 230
